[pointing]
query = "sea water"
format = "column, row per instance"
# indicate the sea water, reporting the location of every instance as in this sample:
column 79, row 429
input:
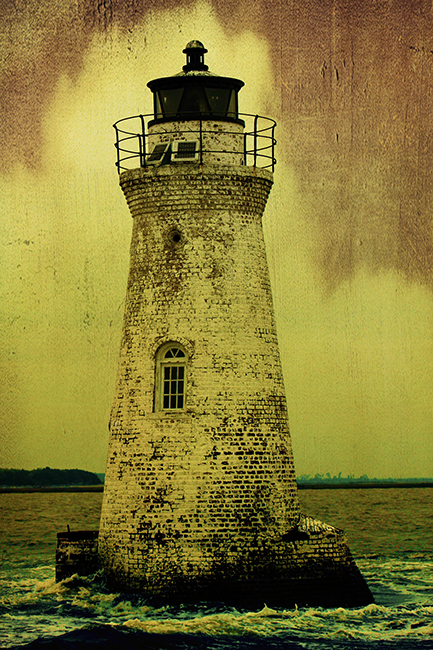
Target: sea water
column 390, row 534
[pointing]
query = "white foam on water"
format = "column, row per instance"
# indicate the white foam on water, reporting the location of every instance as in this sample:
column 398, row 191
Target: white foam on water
column 370, row 623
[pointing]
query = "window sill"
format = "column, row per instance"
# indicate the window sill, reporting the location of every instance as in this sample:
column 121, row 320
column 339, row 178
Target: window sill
column 171, row 415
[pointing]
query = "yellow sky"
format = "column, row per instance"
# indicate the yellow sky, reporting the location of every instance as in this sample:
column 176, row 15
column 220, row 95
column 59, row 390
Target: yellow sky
column 347, row 226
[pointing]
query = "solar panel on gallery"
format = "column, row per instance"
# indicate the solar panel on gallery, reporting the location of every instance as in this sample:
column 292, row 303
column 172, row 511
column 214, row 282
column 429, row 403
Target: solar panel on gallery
column 157, row 152
column 185, row 150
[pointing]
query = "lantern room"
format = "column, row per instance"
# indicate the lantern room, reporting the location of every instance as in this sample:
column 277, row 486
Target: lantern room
column 195, row 93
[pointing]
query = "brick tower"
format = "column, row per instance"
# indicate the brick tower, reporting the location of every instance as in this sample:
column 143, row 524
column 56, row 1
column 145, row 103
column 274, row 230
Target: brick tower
column 200, row 498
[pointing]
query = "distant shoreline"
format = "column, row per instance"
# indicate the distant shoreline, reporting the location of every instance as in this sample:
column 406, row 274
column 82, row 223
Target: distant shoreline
column 52, row 488
column 355, row 485
column 301, row 486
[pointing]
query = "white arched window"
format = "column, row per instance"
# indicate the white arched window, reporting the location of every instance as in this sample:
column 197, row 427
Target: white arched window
column 170, row 377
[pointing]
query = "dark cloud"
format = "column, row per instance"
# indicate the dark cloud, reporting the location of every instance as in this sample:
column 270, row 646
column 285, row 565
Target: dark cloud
column 43, row 40
column 357, row 93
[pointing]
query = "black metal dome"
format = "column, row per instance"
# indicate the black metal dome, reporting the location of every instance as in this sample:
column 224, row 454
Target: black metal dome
column 195, row 93
column 195, row 51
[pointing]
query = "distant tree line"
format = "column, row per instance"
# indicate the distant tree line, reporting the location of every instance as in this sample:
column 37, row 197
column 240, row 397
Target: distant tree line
column 47, row 477
column 318, row 478
column 327, row 478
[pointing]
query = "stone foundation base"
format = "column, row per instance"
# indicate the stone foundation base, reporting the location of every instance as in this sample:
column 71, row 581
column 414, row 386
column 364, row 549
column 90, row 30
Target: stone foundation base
column 310, row 566
column 77, row 552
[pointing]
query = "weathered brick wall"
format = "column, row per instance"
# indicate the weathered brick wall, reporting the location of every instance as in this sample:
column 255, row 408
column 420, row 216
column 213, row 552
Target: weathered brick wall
column 197, row 493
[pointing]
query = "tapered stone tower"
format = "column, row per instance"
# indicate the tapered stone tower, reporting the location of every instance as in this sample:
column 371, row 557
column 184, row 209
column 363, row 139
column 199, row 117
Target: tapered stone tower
column 200, row 498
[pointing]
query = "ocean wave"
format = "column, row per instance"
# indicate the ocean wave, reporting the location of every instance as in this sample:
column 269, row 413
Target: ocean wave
column 370, row 623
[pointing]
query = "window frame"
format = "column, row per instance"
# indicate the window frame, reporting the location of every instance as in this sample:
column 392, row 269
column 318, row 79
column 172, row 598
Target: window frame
column 162, row 362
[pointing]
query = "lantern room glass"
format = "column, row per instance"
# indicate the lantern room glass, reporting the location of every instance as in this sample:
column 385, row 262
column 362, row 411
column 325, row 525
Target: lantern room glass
column 195, row 100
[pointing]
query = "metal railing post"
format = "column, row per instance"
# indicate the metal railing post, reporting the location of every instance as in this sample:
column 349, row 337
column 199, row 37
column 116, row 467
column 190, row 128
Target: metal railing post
column 201, row 141
column 255, row 139
column 273, row 147
column 142, row 141
column 117, row 149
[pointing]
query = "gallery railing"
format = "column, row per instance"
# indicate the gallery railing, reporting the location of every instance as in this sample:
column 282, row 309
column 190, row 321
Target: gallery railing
column 133, row 144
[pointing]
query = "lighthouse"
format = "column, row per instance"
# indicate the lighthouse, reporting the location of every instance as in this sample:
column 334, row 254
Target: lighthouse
column 200, row 499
